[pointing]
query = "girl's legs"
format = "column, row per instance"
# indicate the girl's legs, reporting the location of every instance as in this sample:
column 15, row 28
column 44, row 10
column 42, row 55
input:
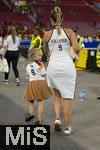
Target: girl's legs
column 30, row 115
column 40, row 110
column 39, row 113
column 31, row 107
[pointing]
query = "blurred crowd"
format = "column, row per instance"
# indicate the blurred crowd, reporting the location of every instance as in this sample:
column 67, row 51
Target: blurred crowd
column 24, row 33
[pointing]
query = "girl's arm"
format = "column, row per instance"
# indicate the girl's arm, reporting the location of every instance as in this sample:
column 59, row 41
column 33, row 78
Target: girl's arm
column 44, row 75
column 27, row 72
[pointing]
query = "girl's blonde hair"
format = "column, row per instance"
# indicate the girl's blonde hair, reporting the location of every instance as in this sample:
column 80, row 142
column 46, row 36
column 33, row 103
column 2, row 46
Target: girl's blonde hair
column 12, row 31
column 32, row 52
column 56, row 15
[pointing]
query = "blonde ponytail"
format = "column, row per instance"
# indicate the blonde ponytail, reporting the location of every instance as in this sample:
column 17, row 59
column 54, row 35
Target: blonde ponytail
column 58, row 14
column 12, row 31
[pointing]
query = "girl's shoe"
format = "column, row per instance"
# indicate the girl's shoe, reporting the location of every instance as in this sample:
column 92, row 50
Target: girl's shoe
column 68, row 131
column 38, row 122
column 57, row 125
column 17, row 82
column 29, row 117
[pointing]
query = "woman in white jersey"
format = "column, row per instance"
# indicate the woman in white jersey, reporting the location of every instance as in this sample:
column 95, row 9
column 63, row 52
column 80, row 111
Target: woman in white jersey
column 11, row 53
column 61, row 71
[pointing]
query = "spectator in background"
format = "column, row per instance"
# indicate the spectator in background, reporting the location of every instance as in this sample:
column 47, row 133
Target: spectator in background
column 1, row 43
column 90, row 39
column 36, row 41
column 11, row 53
column 53, row 1
column 86, row 38
column 3, row 33
column 94, row 23
column 36, row 19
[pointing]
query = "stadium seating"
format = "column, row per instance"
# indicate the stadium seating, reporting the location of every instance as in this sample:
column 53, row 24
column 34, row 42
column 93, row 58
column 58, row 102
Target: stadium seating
column 72, row 1
column 15, row 17
column 7, row 15
column 3, row 6
column 77, row 13
column 94, row 1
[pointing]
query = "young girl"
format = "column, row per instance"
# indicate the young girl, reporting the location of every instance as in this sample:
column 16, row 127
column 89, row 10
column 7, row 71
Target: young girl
column 36, row 88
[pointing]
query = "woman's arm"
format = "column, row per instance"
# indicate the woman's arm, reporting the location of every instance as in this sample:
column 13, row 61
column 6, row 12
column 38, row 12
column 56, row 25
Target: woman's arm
column 46, row 38
column 73, row 39
column 45, row 46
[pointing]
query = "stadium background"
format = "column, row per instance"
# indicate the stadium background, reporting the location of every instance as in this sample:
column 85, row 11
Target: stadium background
column 83, row 16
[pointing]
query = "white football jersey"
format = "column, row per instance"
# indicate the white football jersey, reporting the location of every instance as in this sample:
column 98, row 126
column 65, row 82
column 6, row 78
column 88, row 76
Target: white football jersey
column 59, row 45
column 35, row 71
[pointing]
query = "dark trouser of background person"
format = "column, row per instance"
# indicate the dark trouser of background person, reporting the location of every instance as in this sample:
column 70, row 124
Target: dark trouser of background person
column 12, row 56
column 98, row 97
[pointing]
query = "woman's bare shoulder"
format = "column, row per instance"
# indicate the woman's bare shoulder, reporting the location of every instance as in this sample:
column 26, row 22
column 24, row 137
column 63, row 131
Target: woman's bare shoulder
column 47, row 35
column 69, row 30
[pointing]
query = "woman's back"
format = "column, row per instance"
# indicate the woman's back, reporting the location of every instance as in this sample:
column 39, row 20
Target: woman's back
column 59, row 46
column 12, row 45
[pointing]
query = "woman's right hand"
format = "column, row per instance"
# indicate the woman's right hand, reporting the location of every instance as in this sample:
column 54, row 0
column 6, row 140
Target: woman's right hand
column 73, row 54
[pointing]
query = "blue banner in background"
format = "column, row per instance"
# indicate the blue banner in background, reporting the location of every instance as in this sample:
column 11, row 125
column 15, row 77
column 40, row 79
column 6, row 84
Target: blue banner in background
column 25, row 42
column 93, row 44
